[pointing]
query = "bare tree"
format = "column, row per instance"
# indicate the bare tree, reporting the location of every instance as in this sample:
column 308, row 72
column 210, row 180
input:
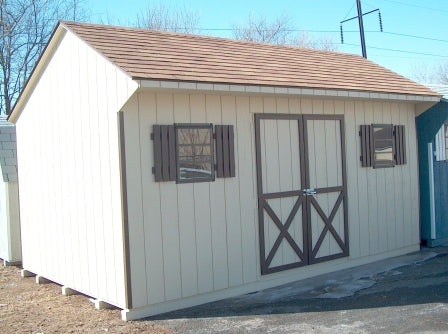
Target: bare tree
column 279, row 31
column 427, row 74
column 260, row 30
column 442, row 73
column 161, row 17
column 303, row 40
column 25, row 27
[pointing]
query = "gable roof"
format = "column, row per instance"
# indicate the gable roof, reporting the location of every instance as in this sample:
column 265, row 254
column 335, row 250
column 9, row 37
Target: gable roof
column 157, row 55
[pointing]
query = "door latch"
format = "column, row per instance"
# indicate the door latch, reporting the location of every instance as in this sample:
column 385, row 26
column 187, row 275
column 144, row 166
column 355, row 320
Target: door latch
column 309, row 191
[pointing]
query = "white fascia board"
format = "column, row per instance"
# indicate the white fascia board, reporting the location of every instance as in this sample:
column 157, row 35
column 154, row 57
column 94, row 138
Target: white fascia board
column 290, row 91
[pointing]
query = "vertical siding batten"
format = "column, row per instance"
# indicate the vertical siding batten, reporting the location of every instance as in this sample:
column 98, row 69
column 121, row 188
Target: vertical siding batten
column 372, row 190
column 362, row 191
column 218, row 222
column 170, row 219
column 407, row 181
column 151, row 216
column 390, row 228
column 398, row 188
column 201, row 193
column 380, row 188
column 185, row 207
column 135, row 202
column 245, row 151
column 232, row 203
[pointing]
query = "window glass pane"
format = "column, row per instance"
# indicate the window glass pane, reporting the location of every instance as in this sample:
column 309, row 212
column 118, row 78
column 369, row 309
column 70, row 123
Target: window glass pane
column 446, row 142
column 185, row 151
column 194, row 170
column 193, row 136
column 383, row 145
column 194, row 153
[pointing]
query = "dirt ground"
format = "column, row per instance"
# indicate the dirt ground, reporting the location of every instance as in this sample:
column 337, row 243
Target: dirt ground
column 27, row 307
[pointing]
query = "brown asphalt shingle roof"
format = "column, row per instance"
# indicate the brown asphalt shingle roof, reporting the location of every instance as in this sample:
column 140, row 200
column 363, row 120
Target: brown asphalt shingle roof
column 149, row 54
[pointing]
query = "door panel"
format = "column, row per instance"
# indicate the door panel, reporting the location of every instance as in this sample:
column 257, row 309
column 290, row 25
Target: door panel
column 301, row 189
column 280, row 198
column 324, row 135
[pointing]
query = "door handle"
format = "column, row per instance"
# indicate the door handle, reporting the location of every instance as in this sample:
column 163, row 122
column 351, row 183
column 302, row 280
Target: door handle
column 310, row 191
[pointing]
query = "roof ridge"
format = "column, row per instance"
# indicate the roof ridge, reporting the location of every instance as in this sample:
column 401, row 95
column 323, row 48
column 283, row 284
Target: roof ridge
column 207, row 37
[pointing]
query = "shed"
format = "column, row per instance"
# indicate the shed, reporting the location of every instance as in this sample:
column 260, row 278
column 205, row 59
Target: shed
column 175, row 169
column 10, row 245
column 432, row 130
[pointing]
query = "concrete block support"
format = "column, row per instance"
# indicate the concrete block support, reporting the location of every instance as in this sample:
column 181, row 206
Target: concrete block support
column 26, row 273
column 102, row 305
column 42, row 280
column 66, row 291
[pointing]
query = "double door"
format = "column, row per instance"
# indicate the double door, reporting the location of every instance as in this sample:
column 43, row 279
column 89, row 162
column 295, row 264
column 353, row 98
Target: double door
column 301, row 187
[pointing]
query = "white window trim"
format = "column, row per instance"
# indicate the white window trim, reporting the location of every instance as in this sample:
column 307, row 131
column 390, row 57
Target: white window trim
column 440, row 145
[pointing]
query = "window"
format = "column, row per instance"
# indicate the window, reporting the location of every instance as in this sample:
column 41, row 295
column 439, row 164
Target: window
column 192, row 152
column 194, row 158
column 383, row 148
column 382, row 145
column 440, row 141
column 446, row 142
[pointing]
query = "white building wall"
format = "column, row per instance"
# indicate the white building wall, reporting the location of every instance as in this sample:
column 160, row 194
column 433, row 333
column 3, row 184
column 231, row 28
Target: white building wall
column 193, row 243
column 67, row 143
column 10, row 244
column 4, row 227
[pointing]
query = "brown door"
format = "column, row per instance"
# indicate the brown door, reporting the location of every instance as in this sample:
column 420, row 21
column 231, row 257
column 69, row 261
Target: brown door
column 301, row 189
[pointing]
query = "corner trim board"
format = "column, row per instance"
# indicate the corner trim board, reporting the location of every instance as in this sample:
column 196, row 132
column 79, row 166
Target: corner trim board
column 124, row 211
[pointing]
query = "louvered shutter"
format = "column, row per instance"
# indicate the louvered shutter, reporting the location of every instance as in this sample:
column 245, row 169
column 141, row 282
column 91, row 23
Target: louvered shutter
column 400, row 145
column 367, row 148
column 164, row 153
column 225, row 152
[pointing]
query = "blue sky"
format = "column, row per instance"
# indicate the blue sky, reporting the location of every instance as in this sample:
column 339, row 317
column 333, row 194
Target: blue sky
column 397, row 48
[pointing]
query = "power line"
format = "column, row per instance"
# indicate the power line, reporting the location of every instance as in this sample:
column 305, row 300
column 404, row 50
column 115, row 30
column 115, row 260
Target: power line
column 402, row 51
column 417, row 6
column 414, row 36
column 336, row 31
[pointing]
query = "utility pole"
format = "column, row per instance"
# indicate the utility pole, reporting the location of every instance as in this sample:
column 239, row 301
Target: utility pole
column 361, row 29
column 361, row 26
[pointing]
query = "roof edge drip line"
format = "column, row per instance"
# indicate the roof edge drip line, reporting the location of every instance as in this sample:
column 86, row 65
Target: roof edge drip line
column 281, row 90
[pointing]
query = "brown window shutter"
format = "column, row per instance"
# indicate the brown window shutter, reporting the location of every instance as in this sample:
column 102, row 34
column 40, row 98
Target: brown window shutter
column 366, row 135
column 164, row 153
column 225, row 151
column 400, row 145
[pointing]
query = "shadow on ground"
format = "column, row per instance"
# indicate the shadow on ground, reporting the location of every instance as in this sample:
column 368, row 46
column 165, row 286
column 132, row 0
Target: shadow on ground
column 417, row 282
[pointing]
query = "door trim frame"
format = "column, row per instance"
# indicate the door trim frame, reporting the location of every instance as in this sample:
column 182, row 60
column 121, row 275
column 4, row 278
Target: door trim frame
column 307, row 251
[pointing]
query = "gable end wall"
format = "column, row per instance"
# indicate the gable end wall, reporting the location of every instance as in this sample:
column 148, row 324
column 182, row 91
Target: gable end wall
column 67, row 144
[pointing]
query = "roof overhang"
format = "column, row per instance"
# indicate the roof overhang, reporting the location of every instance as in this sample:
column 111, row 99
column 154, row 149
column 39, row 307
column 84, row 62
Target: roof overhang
column 41, row 64
column 284, row 91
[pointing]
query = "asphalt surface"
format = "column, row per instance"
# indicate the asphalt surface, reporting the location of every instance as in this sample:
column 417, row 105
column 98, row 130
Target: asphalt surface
column 407, row 294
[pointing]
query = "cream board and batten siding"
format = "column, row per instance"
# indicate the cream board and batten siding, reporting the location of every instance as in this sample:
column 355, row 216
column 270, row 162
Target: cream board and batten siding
column 67, row 141
column 193, row 243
